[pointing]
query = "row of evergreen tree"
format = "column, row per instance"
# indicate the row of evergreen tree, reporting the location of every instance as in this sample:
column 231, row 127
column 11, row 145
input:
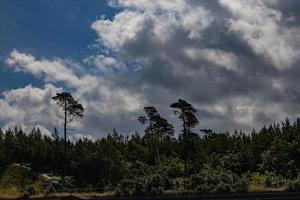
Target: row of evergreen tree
column 111, row 160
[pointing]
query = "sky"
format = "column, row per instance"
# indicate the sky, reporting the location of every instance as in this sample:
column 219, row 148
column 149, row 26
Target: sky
column 235, row 61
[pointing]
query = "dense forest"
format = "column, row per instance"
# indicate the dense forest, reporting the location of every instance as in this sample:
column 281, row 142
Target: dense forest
column 157, row 161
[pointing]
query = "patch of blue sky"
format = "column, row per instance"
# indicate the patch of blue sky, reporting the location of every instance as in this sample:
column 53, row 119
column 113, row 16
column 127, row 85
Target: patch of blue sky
column 48, row 29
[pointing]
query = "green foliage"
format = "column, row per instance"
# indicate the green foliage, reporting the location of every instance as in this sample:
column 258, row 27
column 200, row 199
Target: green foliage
column 19, row 179
column 280, row 158
column 210, row 163
column 17, row 176
column 128, row 187
column 173, row 168
column 294, row 185
column 218, row 180
column 151, row 185
column 222, row 188
column 178, row 183
column 268, row 180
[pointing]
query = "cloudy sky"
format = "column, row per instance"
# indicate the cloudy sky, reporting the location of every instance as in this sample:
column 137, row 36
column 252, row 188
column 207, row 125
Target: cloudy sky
column 236, row 61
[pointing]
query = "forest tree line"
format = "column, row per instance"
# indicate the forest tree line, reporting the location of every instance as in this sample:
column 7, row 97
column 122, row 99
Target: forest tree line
column 156, row 160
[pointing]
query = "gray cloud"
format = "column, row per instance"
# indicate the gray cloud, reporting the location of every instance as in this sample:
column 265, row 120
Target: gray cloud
column 239, row 71
column 105, row 103
column 235, row 60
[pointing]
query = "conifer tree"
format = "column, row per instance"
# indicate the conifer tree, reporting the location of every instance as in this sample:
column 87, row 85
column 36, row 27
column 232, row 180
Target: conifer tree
column 71, row 109
column 187, row 114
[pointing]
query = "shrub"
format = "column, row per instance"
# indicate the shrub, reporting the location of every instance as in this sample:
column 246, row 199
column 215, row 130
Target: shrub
column 217, row 181
column 274, row 181
column 127, row 187
column 156, row 190
column 294, row 186
column 16, row 175
column 222, row 188
column 29, row 190
column 178, row 183
column 18, row 178
column 268, row 179
column 203, row 189
column 151, row 185
column 241, row 185
column 156, row 181
column 173, row 168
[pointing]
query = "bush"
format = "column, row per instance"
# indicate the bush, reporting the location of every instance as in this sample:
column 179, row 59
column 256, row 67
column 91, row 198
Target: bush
column 173, row 168
column 217, row 181
column 156, row 181
column 156, row 190
column 19, row 179
column 294, row 186
column 18, row 176
column 109, row 187
column 241, row 185
column 178, row 183
column 222, row 188
column 127, row 187
column 29, row 190
column 151, row 185
column 203, row 189
column 268, row 179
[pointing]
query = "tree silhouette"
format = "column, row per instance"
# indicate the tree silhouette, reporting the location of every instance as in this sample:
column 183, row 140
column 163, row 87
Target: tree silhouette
column 55, row 134
column 187, row 114
column 158, row 128
column 71, row 108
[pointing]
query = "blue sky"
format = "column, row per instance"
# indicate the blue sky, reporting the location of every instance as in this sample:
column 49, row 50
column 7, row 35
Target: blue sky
column 236, row 61
column 47, row 29
column 55, row 28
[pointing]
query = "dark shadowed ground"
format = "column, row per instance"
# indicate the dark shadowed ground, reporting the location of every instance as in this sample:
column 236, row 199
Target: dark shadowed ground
column 269, row 196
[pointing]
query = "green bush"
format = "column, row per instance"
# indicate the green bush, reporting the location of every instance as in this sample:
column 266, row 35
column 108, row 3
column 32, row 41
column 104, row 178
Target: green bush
column 151, row 185
column 173, row 168
column 127, row 187
column 156, row 191
column 203, row 189
column 16, row 175
column 268, row 179
column 178, row 183
column 218, row 180
column 241, row 185
column 294, row 186
column 156, row 181
column 222, row 188
column 29, row 190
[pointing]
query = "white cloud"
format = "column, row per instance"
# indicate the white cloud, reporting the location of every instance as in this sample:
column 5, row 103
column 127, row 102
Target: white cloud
column 263, row 29
column 184, row 52
column 124, row 28
column 106, row 64
column 176, row 42
column 164, row 18
column 218, row 57
column 75, row 137
column 29, row 107
column 50, row 71
column 246, row 112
